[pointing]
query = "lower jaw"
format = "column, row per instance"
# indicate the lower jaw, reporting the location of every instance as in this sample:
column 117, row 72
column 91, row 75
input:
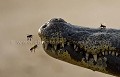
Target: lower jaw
column 65, row 56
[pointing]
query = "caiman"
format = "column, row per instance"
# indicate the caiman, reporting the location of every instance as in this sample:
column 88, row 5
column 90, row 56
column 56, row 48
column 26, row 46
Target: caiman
column 97, row 49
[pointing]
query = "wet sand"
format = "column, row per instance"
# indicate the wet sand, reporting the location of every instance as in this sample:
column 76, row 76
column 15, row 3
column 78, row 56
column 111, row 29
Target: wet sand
column 21, row 17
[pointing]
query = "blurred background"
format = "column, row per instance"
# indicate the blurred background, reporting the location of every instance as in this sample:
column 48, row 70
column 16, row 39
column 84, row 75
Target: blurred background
column 21, row 17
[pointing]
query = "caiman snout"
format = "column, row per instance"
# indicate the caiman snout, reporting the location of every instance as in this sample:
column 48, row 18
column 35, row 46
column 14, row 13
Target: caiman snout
column 52, row 33
column 53, row 25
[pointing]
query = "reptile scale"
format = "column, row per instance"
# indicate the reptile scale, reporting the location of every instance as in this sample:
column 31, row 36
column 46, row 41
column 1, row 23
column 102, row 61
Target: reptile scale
column 96, row 49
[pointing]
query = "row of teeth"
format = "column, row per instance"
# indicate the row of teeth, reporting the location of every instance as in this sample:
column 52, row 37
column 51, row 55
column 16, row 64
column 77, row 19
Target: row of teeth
column 103, row 53
column 94, row 56
column 55, row 45
column 76, row 49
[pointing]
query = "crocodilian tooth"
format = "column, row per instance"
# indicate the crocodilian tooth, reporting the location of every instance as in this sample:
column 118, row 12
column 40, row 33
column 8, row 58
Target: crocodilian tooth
column 109, row 52
column 87, row 55
column 62, row 44
column 113, row 53
column 116, row 54
column 46, row 45
column 103, row 53
column 55, row 47
column 106, row 53
column 42, row 42
column 68, row 43
column 76, row 49
column 74, row 46
column 95, row 57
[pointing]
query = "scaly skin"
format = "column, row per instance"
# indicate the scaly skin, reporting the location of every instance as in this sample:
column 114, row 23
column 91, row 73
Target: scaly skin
column 95, row 49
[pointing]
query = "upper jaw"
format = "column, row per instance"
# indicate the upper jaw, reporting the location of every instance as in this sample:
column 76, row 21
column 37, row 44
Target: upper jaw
column 57, row 31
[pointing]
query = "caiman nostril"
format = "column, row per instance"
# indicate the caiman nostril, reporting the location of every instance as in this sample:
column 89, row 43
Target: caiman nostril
column 44, row 26
column 56, row 19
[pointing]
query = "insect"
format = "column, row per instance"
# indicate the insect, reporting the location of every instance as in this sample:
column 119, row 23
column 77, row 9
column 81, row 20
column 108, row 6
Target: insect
column 33, row 48
column 29, row 37
column 103, row 26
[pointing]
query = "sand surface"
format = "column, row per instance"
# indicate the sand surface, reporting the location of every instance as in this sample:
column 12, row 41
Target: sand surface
column 21, row 17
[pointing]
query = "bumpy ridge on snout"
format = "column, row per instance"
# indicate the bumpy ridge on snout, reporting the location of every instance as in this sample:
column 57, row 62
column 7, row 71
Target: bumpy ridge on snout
column 96, row 49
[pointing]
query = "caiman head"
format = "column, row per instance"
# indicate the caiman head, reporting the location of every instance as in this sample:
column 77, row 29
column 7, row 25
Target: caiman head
column 96, row 49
